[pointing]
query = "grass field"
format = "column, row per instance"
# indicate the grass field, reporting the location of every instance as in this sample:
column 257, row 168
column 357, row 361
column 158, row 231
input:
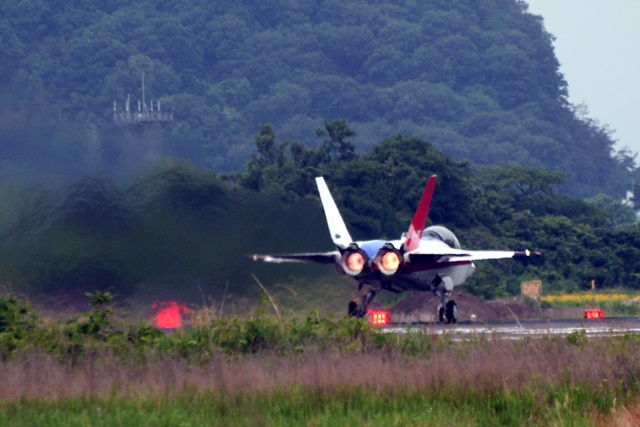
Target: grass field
column 614, row 303
column 553, row 381
column 317, row 371
column 353, row 407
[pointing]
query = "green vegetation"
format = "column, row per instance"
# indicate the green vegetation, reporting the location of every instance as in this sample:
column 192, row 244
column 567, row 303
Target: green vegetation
column 183, row 232
column 479, row 80
column 258, row 370
column 347, row 407
column 376, row 97
column 613, row 303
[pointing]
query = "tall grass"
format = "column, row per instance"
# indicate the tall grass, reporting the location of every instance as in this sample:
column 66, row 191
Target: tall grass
column 484, row 366
column 537, row 382
column 258, row 370
column 347, row 407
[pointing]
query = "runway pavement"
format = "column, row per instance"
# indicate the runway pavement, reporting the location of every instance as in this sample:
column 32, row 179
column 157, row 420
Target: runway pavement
column 526, row 328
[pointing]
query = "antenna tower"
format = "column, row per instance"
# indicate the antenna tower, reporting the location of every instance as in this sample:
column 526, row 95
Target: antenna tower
column 145, row 115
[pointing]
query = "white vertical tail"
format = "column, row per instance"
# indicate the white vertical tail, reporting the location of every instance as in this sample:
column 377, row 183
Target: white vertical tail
column 339, row 233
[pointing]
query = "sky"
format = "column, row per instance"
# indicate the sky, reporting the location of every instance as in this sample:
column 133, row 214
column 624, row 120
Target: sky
column 597, row 44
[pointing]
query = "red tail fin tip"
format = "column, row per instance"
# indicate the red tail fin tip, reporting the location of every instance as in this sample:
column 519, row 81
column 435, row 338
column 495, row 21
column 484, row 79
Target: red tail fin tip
column 420, row 217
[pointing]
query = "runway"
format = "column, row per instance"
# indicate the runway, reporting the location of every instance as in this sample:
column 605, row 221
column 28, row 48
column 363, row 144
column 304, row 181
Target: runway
column 517, row 330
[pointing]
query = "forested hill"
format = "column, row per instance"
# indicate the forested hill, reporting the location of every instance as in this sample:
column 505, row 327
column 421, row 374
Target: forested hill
column 479, row 79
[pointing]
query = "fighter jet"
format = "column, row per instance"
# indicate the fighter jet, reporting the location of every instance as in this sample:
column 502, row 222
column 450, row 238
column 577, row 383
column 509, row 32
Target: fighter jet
column 423, row 259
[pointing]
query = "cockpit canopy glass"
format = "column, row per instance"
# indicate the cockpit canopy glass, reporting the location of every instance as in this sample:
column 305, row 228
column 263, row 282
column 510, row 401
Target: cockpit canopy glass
column 441, row 233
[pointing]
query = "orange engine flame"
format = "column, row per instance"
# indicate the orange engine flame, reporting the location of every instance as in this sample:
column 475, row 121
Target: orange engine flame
column 169, row 314
column 379, row 317
column 355, row 262
column 390, row 261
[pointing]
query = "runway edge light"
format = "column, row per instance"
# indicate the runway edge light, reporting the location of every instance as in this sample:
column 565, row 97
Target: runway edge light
column 379, row 317
column 592, row 313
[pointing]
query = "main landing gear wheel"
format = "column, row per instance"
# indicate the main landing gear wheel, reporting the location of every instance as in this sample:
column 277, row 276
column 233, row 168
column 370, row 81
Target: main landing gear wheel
column 452, row 312
column 448, row 313
column 352, row 309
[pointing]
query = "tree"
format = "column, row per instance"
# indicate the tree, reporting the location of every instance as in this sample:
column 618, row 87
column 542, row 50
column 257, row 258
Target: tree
column 266, row 166
column 480, row 80
column 617, row 213
column 381, row 189
column 335, row 147
column 521, row 180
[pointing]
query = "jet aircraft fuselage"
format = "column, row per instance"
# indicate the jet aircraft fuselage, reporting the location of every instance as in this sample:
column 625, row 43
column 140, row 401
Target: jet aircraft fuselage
column 423, row 259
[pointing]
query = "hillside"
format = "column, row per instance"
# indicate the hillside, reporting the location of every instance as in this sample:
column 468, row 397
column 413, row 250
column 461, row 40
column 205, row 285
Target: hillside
column 477, row 79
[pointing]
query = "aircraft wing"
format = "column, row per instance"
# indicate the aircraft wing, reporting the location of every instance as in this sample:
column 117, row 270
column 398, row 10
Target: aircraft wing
column 462, row 255
column 320, row 257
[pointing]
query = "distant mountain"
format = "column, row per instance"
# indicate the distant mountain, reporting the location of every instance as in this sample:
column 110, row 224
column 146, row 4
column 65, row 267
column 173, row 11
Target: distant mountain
column 479, row 79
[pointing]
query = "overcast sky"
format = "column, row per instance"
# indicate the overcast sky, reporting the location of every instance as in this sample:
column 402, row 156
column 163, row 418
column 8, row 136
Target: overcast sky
column 598, row 46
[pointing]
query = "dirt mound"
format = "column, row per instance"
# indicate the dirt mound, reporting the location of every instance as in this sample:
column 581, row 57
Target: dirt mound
column 422, row 307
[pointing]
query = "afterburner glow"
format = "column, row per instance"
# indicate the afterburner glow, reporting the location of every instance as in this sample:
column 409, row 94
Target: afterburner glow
column 355, row 262
column 390, row 261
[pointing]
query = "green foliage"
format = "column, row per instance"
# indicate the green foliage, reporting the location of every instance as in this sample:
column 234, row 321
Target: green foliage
column 290, row 173
column 96, row 330
column 17, row 321
column 626, row 310
column 348, row 406
column 521, row 180
column 99, row 319
column 577, row 338
column 16, row 316
column 479, row 80
column 617, row 213
column 192, row 229
column 154, row 370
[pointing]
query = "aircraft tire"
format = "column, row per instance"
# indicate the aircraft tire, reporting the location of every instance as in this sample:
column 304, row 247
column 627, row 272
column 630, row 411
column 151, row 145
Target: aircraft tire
column 441, row 313
column 352, row 309
column 452, row 312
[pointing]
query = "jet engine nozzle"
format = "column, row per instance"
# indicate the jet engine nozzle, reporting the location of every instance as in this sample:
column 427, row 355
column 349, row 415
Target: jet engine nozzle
column 388, row 260
column 353, row 261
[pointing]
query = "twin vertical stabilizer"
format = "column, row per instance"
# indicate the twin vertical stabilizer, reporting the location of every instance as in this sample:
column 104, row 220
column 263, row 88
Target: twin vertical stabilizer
column 420, row 217
column 339, row 233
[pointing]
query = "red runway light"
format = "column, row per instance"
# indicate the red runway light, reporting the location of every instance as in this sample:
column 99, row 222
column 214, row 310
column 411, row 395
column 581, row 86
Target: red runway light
column 379, row 317
column 169, row 315
column 592, row 313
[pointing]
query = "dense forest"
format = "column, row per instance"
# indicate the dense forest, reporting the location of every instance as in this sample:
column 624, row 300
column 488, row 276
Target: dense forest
column 376, row 96
column 175, row 230
column 479, row 79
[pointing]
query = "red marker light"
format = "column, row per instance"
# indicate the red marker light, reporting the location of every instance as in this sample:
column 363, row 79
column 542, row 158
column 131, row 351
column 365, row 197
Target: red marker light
column 169, row 314
column 592, row 313
column 379, row 317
